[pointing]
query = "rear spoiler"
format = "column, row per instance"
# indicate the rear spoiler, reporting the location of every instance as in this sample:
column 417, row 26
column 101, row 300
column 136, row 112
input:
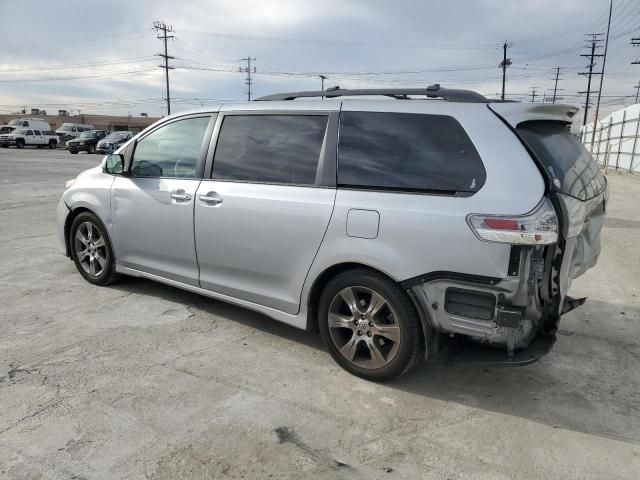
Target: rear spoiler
column 516, row 113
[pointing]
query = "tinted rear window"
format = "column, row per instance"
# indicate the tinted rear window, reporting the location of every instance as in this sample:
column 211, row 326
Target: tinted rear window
column 409, row 152
column 572, row 169
column 270, row 148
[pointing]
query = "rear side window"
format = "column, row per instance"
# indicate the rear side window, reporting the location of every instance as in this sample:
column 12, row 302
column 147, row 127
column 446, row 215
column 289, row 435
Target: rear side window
column 269, row 148
column 572, row 169
column 407, row 152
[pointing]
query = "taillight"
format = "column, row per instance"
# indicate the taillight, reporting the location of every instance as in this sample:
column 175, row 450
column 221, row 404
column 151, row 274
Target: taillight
column 540, row 227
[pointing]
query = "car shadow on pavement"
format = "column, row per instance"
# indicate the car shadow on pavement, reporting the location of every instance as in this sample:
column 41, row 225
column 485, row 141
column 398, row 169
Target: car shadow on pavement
column 588, row 383
column 229, row 311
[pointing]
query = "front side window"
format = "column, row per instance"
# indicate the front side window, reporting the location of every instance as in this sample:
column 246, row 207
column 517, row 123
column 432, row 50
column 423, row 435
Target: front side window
column 172, row 150
column 30, row 132
column 407, row 152
column 270, row 148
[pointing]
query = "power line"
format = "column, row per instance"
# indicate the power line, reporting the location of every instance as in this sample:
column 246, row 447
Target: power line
column 161, row 26
column 248, row 70
column 53, row 79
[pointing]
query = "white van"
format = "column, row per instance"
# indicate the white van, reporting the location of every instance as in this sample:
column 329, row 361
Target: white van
column 72, row 130
column 36, row 123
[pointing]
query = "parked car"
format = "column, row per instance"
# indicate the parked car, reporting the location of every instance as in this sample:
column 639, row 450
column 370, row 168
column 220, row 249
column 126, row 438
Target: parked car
column 86, row 142
column 28, row 137
column 113, row 141
column 449, row 228
column 36, row 123
column 68, row 131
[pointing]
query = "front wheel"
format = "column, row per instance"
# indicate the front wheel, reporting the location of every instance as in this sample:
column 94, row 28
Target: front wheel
column 369, row 325
column 19, row 143
column 91, row 149
column 91, row 249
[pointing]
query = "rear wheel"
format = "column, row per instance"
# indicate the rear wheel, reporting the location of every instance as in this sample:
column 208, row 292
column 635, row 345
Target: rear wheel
column 52, row 144
column 369, row 325
column 73, row 152
column 91, row 249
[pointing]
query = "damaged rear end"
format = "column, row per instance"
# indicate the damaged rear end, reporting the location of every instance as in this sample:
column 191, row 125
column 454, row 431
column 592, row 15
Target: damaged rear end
column 556, row 242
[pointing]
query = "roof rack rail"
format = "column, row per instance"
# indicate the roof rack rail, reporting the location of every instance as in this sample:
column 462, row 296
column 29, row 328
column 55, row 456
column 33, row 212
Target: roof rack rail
column 432, row 91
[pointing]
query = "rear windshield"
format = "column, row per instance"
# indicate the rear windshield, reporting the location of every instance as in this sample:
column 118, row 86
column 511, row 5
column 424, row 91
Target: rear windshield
column 572, row 169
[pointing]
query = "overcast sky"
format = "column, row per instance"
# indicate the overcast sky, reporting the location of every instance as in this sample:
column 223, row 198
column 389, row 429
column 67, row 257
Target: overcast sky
column 98, row 57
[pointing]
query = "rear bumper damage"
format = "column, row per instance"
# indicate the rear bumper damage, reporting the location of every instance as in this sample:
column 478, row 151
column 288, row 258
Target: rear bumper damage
column 511, row 321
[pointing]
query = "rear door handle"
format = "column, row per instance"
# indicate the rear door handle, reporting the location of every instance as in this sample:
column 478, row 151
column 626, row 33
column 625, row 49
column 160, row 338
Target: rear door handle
column 180, row 196
column 210, row 198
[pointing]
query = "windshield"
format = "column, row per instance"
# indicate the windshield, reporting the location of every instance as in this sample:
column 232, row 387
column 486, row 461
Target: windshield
column 571, row 167
column 115, row 136
column 65, row 128
column 88, row 135
column 19, row 131
column 16, row 122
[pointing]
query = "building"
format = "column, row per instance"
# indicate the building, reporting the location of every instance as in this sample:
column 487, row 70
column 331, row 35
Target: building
column 99, row 122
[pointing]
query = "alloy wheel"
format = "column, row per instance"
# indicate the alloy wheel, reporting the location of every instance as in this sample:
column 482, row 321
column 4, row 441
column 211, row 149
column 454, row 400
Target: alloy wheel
column 90, row 248
column 364, row 327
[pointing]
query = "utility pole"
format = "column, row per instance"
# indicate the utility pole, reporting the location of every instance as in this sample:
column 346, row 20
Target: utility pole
column 504, row 64
column 595, row 40
column 161, row 26
column 555, row 88
column 322, row 79
column 533, row 94
column 248, row 70
column 604, row 62
column 635, row 41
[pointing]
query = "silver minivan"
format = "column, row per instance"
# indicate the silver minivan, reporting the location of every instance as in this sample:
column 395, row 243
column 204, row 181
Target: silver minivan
column 406, row 224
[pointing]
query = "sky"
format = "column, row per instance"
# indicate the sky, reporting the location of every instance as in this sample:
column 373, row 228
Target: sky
column 100, row 57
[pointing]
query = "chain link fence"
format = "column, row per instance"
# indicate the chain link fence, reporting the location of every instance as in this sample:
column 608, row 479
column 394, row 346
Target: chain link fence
column 616, row 142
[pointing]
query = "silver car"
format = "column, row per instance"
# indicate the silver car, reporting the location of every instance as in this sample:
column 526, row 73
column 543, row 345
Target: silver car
column 409, row 224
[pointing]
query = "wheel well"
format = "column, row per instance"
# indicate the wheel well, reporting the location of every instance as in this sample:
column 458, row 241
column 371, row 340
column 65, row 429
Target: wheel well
column 323, row 279
column 67, row 225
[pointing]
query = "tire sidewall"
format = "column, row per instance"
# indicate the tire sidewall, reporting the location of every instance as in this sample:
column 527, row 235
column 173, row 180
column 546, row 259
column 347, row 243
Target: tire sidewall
column 406, row 316
column 108, row 273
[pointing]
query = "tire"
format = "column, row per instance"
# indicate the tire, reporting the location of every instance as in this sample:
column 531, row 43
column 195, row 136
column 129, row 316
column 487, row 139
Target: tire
column 73, row 152
column 93, row 256
column 52, row 144
column 386, row 342
column 5, row 145
column 91, row 149
column 19, row 143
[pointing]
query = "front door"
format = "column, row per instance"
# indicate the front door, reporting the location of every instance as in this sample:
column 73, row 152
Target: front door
column 261, row 218
column 152, row 207
column 38, row 139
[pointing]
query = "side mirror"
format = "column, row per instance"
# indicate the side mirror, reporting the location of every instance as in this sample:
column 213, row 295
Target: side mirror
column 114, row 164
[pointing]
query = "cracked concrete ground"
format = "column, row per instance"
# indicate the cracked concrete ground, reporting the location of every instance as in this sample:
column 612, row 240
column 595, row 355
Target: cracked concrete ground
column 140, row 380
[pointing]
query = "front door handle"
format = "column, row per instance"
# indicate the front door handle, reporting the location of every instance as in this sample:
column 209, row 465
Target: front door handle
column 180, row 196
column 210, row 198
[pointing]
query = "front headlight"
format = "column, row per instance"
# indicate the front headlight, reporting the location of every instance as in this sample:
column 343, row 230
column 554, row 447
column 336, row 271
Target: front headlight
column 69, row 183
